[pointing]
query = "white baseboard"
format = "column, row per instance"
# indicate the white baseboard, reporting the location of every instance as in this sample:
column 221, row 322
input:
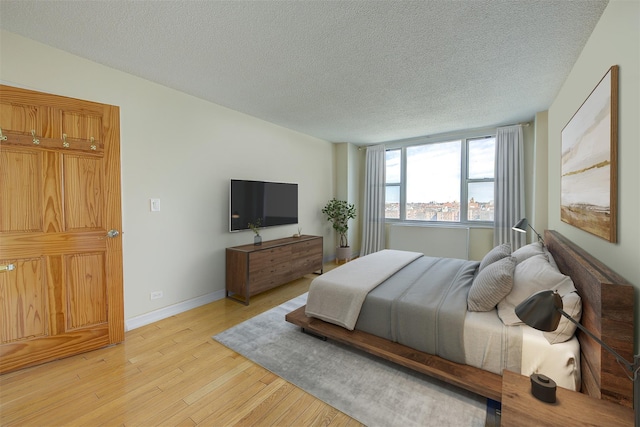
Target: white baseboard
column 163, row 313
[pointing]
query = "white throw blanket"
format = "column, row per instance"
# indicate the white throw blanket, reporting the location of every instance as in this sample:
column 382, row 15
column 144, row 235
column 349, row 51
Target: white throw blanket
column 337, row 296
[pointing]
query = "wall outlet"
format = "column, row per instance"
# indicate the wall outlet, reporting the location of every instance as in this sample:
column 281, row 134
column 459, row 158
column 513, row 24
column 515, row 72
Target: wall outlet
column 156, row 294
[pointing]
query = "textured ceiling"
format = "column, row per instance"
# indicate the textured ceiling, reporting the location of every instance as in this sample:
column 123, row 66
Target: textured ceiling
column 343, row 71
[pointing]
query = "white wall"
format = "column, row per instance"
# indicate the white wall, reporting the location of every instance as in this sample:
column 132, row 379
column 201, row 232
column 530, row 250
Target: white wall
column 448, row 242
column 615, row 40
column 538, row 214
column 182, row 150
column 348, row 187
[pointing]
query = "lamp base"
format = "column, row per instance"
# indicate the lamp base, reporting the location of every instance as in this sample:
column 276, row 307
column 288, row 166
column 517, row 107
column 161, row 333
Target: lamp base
column 543, row 388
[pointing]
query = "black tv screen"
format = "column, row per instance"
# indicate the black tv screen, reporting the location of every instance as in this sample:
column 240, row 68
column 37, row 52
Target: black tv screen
column 272, row 203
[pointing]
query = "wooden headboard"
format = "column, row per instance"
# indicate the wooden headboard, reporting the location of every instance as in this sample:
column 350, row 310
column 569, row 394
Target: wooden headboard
column 607, row 311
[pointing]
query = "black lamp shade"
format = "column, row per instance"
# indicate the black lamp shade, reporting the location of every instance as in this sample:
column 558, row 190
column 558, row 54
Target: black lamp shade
column 521, row 226
column 541, row 310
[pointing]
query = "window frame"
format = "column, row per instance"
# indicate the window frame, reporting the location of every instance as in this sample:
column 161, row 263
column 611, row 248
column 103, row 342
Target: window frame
column 465, row 181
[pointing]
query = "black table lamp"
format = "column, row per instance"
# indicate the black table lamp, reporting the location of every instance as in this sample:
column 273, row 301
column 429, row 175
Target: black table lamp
column 521, row 227
column 543, row 311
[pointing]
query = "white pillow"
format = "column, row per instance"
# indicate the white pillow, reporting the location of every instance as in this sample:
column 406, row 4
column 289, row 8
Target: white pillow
column 528, row 251
column 491, row 285
column 495, row 254
column 532, row 275
column 572, row 305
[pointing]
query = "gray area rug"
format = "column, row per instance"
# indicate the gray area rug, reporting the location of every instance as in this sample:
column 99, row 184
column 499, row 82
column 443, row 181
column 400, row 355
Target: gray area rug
column 369, row 389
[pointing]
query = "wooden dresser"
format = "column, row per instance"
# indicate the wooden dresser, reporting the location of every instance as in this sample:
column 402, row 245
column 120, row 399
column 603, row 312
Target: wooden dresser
column 251, row 269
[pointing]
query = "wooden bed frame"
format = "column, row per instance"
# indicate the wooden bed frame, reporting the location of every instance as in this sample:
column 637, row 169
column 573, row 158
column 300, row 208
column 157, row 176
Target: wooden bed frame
column 608, row 312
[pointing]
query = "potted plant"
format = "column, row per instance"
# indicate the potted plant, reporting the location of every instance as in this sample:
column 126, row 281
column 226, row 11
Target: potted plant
column 339, row 212
column 255, row 227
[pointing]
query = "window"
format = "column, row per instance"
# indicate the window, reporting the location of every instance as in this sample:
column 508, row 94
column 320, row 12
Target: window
column 480, row 178
column 448, row 181
column 433, row 182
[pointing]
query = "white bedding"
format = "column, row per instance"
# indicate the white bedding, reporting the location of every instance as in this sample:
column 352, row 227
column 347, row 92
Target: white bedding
column 560, row 362
column 484, row 334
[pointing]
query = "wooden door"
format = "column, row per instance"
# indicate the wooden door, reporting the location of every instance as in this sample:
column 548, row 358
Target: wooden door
column 60, row 273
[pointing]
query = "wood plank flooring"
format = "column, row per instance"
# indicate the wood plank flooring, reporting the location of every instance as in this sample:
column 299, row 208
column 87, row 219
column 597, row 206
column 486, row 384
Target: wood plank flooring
column 169, row 373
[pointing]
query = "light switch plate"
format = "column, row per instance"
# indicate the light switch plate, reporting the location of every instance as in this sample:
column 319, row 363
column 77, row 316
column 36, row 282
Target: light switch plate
column 155, row 205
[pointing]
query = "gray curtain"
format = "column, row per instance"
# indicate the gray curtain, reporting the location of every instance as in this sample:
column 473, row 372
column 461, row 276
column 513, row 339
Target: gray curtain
column 509, row 186
column 374, row 191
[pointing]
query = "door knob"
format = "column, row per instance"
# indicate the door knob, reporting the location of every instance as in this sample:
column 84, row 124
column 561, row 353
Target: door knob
column 113, row 233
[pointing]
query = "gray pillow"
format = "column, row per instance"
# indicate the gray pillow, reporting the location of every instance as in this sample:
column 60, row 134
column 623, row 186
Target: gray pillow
column 491, row 285
column 495, row 254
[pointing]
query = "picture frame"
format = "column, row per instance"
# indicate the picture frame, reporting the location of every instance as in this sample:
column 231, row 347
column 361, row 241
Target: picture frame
column 589, row 163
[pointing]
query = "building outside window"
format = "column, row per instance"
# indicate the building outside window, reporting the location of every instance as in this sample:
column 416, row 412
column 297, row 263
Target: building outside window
column 442, row 182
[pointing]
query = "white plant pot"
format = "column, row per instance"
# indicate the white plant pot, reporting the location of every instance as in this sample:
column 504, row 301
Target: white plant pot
column 343, row 253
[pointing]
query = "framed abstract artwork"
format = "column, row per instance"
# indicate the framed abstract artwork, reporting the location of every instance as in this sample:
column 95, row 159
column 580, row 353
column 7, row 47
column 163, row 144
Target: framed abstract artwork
column 589, row 181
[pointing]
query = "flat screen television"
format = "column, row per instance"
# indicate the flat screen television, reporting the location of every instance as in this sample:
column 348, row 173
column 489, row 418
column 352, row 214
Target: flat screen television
column 272, row 203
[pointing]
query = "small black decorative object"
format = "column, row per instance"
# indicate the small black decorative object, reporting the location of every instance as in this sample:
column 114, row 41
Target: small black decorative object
column 543, row 388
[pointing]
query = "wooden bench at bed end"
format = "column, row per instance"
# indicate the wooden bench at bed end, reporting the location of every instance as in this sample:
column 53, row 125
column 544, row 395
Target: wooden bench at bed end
column 467, row 377
column 608, row 311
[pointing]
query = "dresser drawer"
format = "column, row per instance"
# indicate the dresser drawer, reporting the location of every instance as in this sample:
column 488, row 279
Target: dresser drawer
column 266, row 282
column 258, row 261
column 306, row 264
column 280, row 270
column 308, row 247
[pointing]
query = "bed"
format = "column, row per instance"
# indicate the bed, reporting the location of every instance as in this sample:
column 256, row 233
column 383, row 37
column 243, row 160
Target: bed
column 607, row 310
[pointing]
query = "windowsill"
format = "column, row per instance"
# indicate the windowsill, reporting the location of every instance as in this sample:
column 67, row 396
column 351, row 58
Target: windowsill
column 440, row 224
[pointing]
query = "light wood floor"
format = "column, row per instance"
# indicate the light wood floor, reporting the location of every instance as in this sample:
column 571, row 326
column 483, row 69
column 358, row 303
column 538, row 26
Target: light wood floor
column 168, row 373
